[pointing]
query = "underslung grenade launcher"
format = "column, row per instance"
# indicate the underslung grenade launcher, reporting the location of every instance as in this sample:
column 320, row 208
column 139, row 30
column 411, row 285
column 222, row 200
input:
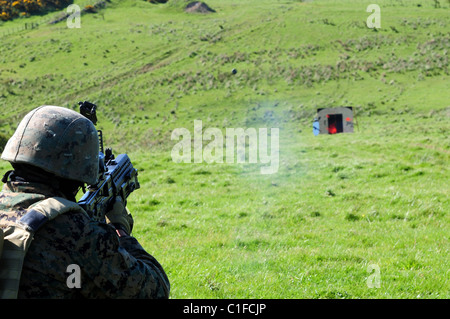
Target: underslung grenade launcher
column 117, row 176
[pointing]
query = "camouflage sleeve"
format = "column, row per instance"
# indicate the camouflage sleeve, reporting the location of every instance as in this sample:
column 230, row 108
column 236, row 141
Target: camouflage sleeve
column 137, row 252
column 121, row 268
column 108, row 266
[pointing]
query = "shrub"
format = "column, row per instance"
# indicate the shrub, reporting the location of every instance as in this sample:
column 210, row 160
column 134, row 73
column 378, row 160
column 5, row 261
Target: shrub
column 90, row 9
column 10, row 9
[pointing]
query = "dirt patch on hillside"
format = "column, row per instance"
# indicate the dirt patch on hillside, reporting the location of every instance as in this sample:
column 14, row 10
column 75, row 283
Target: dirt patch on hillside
column 199, row 7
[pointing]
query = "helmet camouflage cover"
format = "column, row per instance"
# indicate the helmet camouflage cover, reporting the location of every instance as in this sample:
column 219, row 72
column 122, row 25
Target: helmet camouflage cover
column 58, row 140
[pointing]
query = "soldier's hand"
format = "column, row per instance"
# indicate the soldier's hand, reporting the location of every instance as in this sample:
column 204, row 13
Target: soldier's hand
column 119, row 216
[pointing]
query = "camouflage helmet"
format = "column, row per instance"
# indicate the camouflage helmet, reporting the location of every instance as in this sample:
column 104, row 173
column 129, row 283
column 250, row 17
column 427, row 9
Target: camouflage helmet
column 57, row 140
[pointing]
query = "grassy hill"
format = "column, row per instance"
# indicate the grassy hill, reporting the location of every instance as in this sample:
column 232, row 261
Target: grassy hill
column 338, row 203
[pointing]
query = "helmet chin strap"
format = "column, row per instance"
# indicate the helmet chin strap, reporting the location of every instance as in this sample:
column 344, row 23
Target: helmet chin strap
column 31, row 174
column 35, row 175
column 6, row 175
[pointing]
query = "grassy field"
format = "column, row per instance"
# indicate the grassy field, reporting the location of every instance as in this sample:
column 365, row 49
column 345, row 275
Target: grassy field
column 342, row 209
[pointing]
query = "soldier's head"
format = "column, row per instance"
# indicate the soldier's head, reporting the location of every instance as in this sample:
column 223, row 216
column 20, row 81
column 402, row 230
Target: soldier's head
column 57, row 141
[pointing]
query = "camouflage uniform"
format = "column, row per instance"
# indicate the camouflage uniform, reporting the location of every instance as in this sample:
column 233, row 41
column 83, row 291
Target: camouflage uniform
column 111, row 267
column 64, row 144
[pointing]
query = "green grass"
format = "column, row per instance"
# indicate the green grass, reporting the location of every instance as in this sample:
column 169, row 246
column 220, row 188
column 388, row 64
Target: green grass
column 338, row 203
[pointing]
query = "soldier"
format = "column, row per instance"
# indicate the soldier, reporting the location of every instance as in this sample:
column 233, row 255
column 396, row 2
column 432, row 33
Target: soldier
column 54, row 152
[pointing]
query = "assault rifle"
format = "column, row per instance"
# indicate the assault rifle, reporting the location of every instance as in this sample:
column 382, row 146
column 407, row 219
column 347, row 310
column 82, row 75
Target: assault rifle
column 117, row 176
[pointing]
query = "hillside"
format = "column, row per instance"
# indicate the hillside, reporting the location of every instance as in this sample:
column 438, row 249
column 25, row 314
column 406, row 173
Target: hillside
column 338, row 203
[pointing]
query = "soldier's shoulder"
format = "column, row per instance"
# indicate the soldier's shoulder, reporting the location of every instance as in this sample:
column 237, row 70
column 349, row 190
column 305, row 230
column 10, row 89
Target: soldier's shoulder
column 79, row 226
column 13, row 205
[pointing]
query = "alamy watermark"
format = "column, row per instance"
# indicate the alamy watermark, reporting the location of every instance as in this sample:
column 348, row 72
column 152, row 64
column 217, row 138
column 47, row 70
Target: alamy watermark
column 74, row 279
column 374, row 20
column 374, row 280
column 74, row 19
column 257, row 148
